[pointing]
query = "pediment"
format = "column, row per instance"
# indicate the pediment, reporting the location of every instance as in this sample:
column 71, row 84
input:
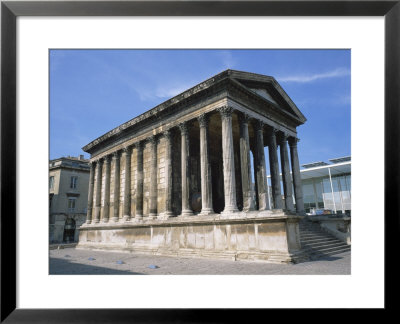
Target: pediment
column 270, row 90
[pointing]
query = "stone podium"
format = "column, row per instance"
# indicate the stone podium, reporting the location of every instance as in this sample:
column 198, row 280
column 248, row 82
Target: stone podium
column 177, row 180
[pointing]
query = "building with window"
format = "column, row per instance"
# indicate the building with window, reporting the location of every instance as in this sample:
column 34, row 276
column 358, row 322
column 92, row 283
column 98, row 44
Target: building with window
column 326, row 186
column 68, row 192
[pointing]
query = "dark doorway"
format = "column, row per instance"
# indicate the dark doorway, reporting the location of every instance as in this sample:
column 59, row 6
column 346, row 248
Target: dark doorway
column 69, row 230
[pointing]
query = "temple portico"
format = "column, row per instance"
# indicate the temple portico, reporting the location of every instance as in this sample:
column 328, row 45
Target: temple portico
column 189, row 177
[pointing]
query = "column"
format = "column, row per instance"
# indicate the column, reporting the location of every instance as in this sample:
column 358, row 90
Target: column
column 248, row 201
column 153, row 178
column 126, row 152
column 287, row 183
column 228, row 160
column 99, row 166
column 205, row 167
column 185, row 169
column 298, row 191
column 90, row 195
column 139, row 181
column 259, row 166
column 116, row 159
column 168, row 175
column 106, row 210
column 274, row 167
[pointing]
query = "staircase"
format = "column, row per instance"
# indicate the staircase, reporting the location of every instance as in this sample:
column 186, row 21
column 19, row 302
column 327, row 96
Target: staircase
column 317, row 243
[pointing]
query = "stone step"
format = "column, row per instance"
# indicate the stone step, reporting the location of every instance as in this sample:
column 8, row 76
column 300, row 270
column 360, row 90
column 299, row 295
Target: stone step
column 310, row 226
column 316, row 256
column 322, row 244
column 308, row 230
column 329, row 250
column 325, row 244
column 315, row 236
column 317, row 243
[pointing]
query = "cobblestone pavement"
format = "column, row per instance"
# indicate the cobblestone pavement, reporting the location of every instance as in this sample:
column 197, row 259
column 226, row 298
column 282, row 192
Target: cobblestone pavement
column 73, row 261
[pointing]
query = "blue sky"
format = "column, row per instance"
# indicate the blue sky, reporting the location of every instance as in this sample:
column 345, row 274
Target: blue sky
column 93, row 91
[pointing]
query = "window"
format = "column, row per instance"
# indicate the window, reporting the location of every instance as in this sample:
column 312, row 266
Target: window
column 74, row 181
column 51, row 182
column 71, row 204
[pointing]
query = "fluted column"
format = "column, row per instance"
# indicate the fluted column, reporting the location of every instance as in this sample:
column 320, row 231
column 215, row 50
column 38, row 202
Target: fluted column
column 90, row 194
column 139, row 181
column 99, row 166
column 248, row 201
column 168, row 175
column 228, row 160
column 298, row 191
column 153, row 178
column 126, row 152
column 205, row 167
column 185, row 170
column 259, row 166
column 287, row 183
column 116, row 159
column 274, row 167
column 106, row 210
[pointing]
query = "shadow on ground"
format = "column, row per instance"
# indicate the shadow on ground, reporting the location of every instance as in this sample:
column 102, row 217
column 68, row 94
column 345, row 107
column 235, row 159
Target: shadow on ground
column 325, row 258
column 66, row 267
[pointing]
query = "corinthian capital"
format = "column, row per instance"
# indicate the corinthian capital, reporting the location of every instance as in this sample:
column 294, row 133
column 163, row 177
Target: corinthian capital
column 244, row 118
column 152, row 140
column 283, row 138
column 138, row 145
column 225, row 111
column 167, row 135
column 293, row 141
column 126, row 150
column 183, row 128
column 258, row 125
column 203, row 120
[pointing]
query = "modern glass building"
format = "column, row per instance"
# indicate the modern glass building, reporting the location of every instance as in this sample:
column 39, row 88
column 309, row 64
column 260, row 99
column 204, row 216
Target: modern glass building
column 326, row 186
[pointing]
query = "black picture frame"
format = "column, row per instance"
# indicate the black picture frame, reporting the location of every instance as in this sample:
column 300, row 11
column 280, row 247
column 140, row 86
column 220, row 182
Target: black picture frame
column 10, row 10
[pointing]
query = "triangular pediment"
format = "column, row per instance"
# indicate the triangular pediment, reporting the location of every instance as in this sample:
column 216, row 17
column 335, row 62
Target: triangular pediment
column 269, row 89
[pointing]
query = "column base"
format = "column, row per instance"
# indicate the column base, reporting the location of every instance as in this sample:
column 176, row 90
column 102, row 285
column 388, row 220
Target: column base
column 166, row 215
column 115, row 219
column 126, row 218
column 186, row 212
column 96, row 221
column 139, row 217
column 152, row 216
column 89, row 221
column 105, row 220
column 207, row 211
column 229, row 210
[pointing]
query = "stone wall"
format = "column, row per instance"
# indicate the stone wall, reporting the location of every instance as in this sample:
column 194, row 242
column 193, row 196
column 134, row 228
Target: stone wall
column 272, row 238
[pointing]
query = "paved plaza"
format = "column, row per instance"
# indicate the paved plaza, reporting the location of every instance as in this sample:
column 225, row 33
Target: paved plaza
column 74, row 261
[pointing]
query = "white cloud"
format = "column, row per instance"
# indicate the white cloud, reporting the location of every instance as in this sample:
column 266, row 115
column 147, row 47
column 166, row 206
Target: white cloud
column 341, row 72
column 163, row 92
column 227, row 59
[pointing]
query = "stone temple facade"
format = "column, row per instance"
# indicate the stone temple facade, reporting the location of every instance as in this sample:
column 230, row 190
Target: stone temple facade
column 177, row 180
